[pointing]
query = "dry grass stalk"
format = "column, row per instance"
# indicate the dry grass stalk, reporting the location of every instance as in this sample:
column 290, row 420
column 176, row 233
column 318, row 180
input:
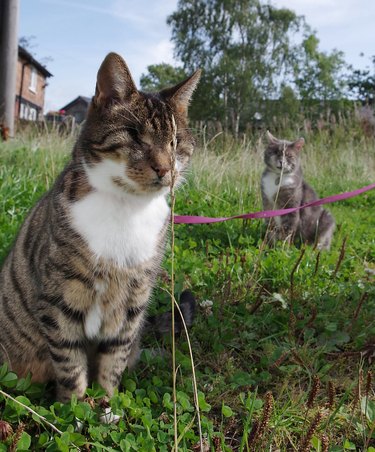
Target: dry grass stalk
column 280, row 360
column 317, row 262
column 300, row 257
column 313, row 392
column 341, row 256
column 358, row 390
column 305, row 443
column 42, row 418
column 258, row 301
column 331, row 395
column 361, row 301
column 368, row 390
column 297, row 358
column 314, row 313
column 368, row 387
column 292, row 324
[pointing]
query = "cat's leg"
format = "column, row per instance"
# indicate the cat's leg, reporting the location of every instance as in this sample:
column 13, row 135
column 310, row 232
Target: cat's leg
column 326, row 227
column 63, row 332
column 288, row 227
column 71, row 371
column 271, row 231
column 115, row 353
column 113, row 357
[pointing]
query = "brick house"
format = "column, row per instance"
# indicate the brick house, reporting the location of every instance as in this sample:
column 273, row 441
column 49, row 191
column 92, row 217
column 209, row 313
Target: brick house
column 30, row 86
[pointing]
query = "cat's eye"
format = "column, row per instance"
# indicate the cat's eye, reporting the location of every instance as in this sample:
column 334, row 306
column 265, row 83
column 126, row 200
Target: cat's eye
column 134, row 134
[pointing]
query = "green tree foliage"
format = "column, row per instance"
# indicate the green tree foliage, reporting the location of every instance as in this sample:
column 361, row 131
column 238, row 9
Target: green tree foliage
column 250, row 51
column 244, row 48
column 319, row 75
column 362, row 84
column 160, row 76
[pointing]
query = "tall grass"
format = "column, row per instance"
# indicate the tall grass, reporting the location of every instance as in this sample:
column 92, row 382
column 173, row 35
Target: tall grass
column 223, row 163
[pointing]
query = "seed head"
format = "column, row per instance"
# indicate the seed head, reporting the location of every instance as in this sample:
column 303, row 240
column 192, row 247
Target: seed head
column 331, row 395
column 313, row 393
column 305, row 443
column 5, row 430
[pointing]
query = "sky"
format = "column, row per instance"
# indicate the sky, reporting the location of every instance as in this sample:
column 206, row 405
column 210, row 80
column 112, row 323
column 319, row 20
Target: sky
column 77, row 35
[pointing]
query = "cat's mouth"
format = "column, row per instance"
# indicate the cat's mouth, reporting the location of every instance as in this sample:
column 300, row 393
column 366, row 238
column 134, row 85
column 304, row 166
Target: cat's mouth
column 165, row 181
column 284, row 168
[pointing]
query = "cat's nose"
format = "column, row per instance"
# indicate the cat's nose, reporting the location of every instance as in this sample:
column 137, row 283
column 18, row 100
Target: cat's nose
column 161, row 171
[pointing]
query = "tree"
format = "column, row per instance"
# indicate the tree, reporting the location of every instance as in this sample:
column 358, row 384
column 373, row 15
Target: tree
column 319, row 75
column 161, row 76
column 362, row 84
column 29, row 44
column 243, row 47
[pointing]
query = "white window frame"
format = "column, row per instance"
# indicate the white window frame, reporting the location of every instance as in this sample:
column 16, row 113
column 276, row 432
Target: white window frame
column 22, row 111
column 33, row 79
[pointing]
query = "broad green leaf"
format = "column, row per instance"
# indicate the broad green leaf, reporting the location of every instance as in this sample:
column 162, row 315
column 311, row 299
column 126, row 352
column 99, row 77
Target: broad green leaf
column 24, row 442
column 226, row 411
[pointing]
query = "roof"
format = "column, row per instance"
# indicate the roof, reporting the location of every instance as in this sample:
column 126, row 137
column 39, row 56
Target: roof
column 23, row 53
column 84, row 99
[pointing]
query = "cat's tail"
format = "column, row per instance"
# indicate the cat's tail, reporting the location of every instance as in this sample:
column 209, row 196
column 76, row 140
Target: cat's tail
column 162, row 323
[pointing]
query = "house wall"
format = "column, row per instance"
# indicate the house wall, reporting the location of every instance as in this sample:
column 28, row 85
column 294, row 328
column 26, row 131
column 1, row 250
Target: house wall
column 33, row 90
column 78, row 110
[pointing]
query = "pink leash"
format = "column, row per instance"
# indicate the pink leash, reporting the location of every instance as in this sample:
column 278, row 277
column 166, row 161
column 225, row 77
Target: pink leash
column 188, row 219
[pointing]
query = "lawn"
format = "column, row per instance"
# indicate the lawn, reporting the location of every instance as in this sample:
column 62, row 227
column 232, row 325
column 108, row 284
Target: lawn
column 284, row 338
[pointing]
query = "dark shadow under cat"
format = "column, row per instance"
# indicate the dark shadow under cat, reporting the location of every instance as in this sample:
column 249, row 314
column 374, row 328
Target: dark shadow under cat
column 283, row 186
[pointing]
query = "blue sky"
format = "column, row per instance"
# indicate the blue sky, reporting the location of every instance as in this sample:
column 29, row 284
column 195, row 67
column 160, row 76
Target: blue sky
column 78, row 34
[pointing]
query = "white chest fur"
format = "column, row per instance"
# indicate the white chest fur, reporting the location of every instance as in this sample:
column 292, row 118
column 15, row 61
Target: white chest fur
column 272, row 182
column 122, row 230
column 94, row 317
column 119, row 227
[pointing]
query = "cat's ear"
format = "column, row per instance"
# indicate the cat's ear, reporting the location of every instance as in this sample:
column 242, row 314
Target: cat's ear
column 180, row 95
column 114, row 81
column 271, row 139
column 298, row 145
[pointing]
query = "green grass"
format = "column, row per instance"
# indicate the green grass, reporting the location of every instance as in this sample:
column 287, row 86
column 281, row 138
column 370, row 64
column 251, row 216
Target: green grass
column 280, row 318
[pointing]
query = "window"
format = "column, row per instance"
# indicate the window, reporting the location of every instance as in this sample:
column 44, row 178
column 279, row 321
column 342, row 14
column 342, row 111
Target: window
column 33, row 80
column 32, row 114
column 22, row 111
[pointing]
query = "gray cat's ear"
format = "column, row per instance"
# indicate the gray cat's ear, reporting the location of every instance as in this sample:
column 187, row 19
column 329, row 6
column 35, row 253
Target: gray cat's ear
column 298, row 145
column 272, row 139
column 114, row 81
column 181, row 94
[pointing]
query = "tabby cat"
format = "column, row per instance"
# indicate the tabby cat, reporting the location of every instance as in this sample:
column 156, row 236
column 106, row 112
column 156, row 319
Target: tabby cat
column 75, row 286
column 283, row 187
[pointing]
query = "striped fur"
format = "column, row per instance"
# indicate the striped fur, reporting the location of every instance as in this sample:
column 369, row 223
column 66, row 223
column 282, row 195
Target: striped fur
column 74, row 288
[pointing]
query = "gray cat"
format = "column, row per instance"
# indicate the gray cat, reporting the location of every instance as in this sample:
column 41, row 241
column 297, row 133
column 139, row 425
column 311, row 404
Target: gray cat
column 283, row 187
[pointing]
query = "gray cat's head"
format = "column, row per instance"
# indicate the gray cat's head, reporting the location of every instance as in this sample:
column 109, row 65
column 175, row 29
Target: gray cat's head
column 282, row 155
column 136, row 142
